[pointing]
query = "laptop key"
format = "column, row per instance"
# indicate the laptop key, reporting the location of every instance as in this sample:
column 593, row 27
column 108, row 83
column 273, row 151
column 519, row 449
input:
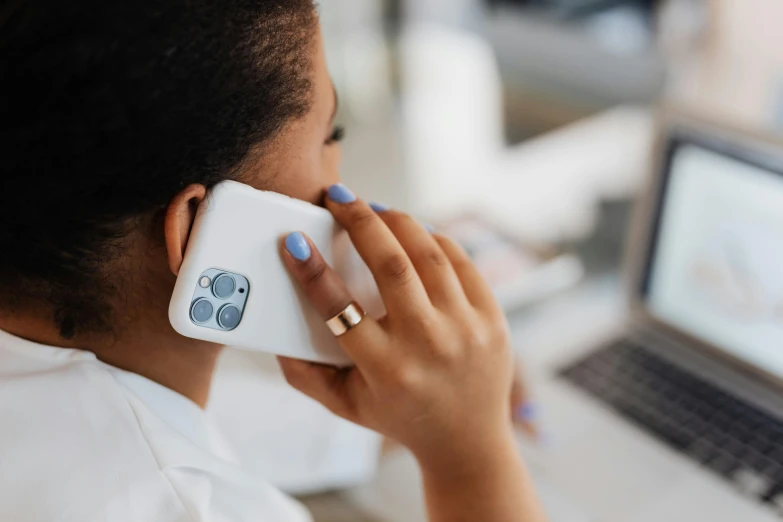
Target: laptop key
column 702, row 451
column 751, row 483
column 724, row 465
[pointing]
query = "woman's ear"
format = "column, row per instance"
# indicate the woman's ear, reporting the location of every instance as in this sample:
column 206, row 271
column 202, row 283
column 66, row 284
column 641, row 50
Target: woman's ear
column 179, row 219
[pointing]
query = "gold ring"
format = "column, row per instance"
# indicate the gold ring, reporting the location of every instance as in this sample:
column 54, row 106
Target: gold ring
column 345, row 320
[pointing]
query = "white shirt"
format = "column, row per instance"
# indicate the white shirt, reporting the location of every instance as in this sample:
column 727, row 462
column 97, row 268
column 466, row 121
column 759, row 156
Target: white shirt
column 278, row 433
column 83, row 441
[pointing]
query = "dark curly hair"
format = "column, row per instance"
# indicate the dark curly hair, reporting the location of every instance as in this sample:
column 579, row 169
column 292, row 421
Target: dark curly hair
column 108, row 108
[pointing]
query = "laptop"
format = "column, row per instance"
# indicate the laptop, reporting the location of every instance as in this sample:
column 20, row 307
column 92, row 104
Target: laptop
column 679, row 415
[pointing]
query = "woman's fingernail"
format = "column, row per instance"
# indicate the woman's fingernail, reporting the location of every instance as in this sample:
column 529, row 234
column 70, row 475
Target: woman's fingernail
column 297, row 246
column 379, row 207
column 339, row 193
column 429, row 228
column 526, row 411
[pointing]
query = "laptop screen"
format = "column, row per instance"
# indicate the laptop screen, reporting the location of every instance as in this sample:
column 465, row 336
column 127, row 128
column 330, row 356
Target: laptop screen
column 716, row 265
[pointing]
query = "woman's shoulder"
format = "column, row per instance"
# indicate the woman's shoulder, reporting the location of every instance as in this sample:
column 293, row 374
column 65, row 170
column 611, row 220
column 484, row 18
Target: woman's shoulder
column 71, row 442
column 84, row 441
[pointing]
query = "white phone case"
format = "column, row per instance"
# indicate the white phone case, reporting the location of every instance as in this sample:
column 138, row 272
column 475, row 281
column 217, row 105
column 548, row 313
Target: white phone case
column 239, row 229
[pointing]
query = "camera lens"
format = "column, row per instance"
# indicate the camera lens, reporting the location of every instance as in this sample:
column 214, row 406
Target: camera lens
column 228, row 317
column 201, row 311
column 224, row 286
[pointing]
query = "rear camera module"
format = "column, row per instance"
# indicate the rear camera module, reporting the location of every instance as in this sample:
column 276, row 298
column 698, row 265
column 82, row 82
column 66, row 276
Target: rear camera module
column 229, row 317
column 201, row 311
column 223, row 287
column 219, row 300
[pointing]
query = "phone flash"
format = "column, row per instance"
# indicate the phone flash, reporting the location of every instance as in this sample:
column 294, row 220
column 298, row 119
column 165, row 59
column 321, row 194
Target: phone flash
column 204, row 282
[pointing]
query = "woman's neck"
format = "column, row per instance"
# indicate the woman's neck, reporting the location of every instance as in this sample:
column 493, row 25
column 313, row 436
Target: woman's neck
column 154, row 351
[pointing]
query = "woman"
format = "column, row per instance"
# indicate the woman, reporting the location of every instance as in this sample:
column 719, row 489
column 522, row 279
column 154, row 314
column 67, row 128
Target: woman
column 117, row 118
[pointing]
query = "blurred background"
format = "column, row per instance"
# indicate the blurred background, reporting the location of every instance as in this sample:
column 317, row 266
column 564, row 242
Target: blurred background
column 524, row 128
column 538, row 114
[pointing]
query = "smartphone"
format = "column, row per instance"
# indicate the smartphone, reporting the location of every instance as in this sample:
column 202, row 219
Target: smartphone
column 234, row 289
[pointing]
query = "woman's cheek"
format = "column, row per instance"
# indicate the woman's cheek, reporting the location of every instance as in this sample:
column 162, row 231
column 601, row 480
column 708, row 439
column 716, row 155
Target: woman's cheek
column 334, row 156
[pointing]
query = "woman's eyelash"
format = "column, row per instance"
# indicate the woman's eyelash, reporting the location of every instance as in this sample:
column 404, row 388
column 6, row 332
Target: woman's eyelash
column 337, row 134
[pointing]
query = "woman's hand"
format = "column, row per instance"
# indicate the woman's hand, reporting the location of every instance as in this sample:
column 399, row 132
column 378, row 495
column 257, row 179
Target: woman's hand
column 435, row 373
column 523, row 412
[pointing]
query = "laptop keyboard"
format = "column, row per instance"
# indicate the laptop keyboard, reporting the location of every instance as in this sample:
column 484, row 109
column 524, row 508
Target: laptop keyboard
column 725, row 434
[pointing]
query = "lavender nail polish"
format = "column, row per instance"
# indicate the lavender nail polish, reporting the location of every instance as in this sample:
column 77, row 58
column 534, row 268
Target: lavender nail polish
column 297, row 246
